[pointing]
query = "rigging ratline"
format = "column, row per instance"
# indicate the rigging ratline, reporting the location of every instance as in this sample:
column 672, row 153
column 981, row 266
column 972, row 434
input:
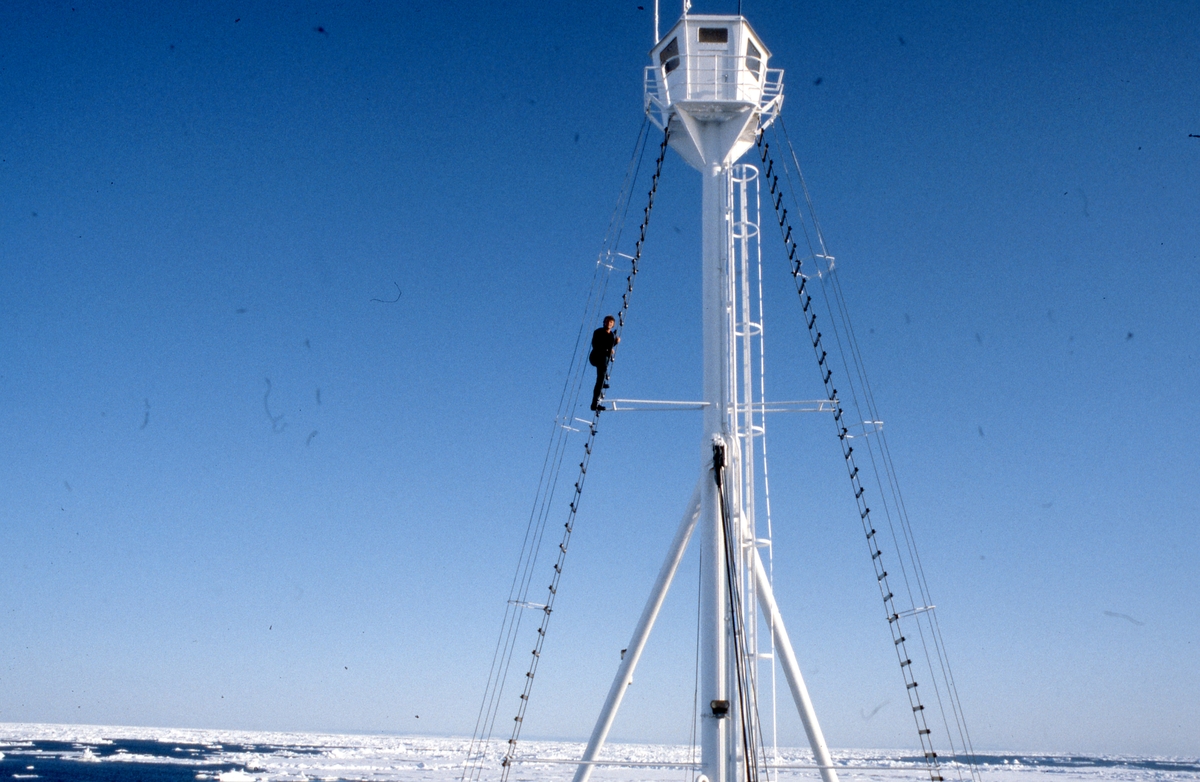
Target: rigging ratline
column 709, row 90
column 569, row 526
column 893, row 615
column 477, row 751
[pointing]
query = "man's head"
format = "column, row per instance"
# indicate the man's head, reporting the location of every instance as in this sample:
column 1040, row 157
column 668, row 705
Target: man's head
column 609, row 322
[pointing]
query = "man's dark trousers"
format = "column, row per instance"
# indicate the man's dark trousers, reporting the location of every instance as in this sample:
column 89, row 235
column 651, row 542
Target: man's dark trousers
column 601, row 371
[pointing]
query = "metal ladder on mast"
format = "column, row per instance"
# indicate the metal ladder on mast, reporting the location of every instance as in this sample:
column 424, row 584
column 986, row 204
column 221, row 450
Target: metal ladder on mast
column 748, row 419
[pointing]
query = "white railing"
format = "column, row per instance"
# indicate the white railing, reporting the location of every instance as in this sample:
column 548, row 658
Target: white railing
column 716, row 77
column 655, row 100
column 712, row 78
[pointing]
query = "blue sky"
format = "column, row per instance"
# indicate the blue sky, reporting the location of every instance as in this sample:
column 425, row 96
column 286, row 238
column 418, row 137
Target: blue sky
column 199, row 208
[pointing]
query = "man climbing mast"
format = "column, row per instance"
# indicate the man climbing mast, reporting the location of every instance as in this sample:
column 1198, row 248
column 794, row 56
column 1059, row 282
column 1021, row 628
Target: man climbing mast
column 603, row 342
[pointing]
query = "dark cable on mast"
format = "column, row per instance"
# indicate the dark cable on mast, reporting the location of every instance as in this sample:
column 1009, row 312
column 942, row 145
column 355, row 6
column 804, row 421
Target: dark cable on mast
column 747, row 707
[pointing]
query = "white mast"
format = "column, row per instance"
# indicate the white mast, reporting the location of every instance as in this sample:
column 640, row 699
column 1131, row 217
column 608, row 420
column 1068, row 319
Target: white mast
column 710, row 87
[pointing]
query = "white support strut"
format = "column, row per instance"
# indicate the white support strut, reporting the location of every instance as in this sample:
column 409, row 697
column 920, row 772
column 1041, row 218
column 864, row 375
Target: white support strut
column 713, row 729
column 641, row 633
column 791, row 670
column 709, row 88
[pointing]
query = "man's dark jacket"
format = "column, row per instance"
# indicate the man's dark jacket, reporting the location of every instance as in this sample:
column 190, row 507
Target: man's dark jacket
column 603, row 342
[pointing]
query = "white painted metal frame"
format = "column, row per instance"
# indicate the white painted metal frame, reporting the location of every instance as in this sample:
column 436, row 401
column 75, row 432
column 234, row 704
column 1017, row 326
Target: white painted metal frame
column 749, row 419
column 714, row 93
column 766, row 94
column 756, row 408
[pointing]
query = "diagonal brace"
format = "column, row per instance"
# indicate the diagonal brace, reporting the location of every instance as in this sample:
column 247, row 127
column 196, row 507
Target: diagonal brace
column 641, row 634
column 791, row 670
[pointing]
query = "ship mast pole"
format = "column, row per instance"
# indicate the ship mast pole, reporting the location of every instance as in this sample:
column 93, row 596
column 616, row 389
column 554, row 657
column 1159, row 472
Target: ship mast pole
column 709, row 88
column 714, row 720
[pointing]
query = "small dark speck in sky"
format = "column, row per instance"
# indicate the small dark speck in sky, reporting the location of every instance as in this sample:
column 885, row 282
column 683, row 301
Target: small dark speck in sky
column 980, row 428
column 308, row 440
column 872, row 331
column 308, row 344
column 320, row 30
column 981, row 556
column 907, row 319
column 677, row 230
column 399, row 293
column 901, row 39
column 817, row 81
column 1127, row 617
column 146, row 419
column 576, row 138
column 874, row 711
column 1194, row 135
column 240, row 310
column 978, row 338
column 235, row 21
column 68, row 485
column 35, row 214
column 641, row 8
column 1129, row 336
column 277, row 422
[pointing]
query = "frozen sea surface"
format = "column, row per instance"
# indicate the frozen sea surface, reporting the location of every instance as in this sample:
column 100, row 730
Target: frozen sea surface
column 90, row 753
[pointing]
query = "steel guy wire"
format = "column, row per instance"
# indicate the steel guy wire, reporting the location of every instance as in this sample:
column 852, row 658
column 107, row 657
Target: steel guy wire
column 568, row 527
column 551, row 465
column 897, row 495
column 889, row 470
column 547, row 482
column 810, row 318
column 847, row 451
column 830, row 278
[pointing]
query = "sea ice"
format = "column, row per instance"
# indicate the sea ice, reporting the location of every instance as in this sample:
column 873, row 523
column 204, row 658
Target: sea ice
column 290, row 757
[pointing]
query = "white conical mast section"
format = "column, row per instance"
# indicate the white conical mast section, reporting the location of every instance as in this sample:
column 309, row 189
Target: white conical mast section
column 709, row 85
